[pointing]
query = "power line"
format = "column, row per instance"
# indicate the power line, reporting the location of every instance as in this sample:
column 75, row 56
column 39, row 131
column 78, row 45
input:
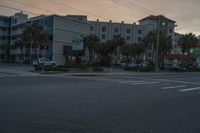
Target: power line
column 65, row 5
column 130, row 7
column 138, row 6
column 31, row 6
column 19, row 10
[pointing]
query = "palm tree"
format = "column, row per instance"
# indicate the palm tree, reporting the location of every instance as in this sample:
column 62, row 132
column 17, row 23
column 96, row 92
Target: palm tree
column 187, row 41
column 91, row 42
column 117, row 43
column 21, row 44
column 35, row 36
column 139, row 49
column 165, row 44
column 126, row 52
column 150, row 41
column 165, row 47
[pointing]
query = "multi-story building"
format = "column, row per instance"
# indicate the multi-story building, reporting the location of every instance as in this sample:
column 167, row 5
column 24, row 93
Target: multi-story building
column 132, row 33
column 152, row 23
column 63, row 30
column 5, row 24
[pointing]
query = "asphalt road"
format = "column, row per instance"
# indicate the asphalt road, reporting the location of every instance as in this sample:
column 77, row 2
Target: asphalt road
column 145, row 103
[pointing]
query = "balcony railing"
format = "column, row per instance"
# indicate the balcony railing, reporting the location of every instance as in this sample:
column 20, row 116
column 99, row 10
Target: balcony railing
column 4, row 24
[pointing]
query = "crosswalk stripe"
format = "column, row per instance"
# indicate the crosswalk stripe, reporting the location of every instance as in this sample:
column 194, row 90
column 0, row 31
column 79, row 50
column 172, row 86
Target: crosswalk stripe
column 173, row 87
column 125, row 82
column 145, row 83
column 190, row 89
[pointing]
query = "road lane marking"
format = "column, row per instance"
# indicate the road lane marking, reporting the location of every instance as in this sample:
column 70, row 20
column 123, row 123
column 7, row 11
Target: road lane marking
column 164, row 80
column 190, row 89
column 145, row 83
column 173, row 87
column 124, row 82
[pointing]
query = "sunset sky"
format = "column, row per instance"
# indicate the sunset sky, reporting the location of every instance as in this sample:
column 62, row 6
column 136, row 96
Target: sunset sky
column 185, row 12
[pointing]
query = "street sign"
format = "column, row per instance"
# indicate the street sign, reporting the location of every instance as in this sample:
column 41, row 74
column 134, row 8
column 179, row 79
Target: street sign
column 195, row 51
column 77, row 43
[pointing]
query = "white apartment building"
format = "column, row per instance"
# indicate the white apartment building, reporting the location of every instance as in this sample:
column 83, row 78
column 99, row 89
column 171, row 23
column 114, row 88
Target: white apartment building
column 61, row 30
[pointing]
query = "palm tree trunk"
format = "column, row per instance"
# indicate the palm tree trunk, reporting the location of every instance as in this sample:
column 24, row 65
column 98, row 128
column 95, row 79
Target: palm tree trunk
column 30, row 53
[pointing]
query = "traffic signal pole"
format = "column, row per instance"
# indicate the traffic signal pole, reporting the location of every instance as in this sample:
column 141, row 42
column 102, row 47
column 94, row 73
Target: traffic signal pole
column 157, row 45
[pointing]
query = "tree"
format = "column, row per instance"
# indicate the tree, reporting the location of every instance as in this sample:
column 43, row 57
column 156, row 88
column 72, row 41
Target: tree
column 187, row 41
column 165, row 44
column 21, row 44
column 116, row 45
column 35, row 36
column 150, row 41
column 165, row 47
column 91, row 42
column 126, row 52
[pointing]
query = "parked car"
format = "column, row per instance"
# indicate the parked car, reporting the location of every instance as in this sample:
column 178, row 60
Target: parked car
column 44, row 61
column 176, row 67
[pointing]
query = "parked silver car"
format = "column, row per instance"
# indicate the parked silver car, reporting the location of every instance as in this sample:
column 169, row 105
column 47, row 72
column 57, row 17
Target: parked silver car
column 44, row 61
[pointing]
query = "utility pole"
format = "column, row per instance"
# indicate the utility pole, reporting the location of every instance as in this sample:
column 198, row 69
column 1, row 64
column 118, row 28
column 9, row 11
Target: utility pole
column 157, row 45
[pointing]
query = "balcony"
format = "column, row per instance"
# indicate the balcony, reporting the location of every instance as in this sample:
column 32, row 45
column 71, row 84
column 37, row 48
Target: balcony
column 17, row 32
column 4, row 24
column 4, row 33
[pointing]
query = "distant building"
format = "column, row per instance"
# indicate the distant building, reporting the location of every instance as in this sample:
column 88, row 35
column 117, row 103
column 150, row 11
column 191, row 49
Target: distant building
column 167, row 25
column 61, row 30
column 64, row 30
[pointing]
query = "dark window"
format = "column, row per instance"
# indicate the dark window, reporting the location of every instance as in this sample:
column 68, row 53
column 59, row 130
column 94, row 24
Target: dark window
column 104, row 29
column 170, row 30
column 45, row 22
column 139, row 39
column 91, row 28
column 103, row 36
column 128, row 38
column 116, row 30
column 149, row 54
column 139, row 32
column 128, row 31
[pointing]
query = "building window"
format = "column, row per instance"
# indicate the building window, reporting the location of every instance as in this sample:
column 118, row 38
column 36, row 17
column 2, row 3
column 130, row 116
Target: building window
column 149, row 55
column 128, row 38
column 139, row 32
column 104, row 29
column 170, row 30
column 128, row 31
column 103, row 37
column 91, row 28
column 139, row 39
column 116, row 29
column 45, row 22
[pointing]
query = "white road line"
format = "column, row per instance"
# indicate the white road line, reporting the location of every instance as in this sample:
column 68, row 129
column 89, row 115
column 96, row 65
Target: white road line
column 125, row 82
column 190, row 89
column 111, row 80
column 165, row 80
column 145, row 83
column 173, row 87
